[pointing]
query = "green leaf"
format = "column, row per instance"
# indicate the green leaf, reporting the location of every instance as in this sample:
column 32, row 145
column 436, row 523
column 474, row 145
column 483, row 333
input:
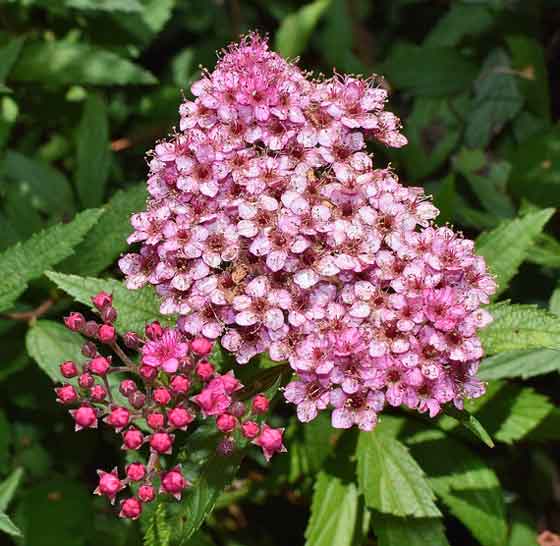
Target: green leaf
column 465, row 484
column 8, row 488
column 29, row 260
column 554, row 303
column 94, row 155
column 488, row 180
column 158, row 532
column 107, row 239
column 429, row 71
column 334, row 510
column 458, row 22
column 7, row 526
column 390, row 479
column 74, row 63
column 518, row 327
column 5, row 442
column 545, row 251
column 50, row 343
column 523, row 364
column 523, row 529
column 433, row 131
column 445, row 199
column 123, row 6
column 135, row 307
column 295, row 30
column 146, row 25
column 8, row 56
column 506, row 247
column 470, row 422
column 395, row 531
column 497, row 100
column 51, row 190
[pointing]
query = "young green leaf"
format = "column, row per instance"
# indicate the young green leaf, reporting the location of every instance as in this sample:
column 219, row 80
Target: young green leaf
column 522, row 364
column 334, row 511
column 29, row 260
column 123, row 6
column 135, row 307
column 395, row 531
column 63, row 63
column 50, row 343
column 94, row 154
column 7, row 526
column 506, row 247
column 390, row 479
column 8, row 488
column 517, row 327
column 470, row 422
column 8, row 56
column 464, row 482
column 296, row 28
column 107, row 239
column 554, row 303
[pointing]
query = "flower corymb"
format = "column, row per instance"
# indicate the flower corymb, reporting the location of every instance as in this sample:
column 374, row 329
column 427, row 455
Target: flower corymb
column 268, row 227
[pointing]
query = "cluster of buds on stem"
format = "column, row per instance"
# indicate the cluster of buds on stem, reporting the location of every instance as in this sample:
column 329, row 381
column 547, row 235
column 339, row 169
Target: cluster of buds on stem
column 161, row 382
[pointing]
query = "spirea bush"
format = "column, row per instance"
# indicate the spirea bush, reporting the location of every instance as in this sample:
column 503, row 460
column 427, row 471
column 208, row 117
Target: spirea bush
column 294, row 317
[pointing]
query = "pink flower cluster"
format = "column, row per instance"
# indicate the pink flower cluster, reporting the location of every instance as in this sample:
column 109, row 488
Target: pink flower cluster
column 269, row 227
column 152, row 397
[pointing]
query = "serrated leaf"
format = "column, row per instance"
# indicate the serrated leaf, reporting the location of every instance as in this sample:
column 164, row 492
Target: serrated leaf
column 93, row 153
column 7, row 526
column 395, row 531
column 8, row 488
column 29, row 260
column 518, row 327
column 296, row 28
column 8, row 56
column 77, row 63
column 158, row 532
column 390, row 479
column 505, row 248
column 465, row 483
column 107, row 239
column 334, row 511
column 497, row 99
column 51, row 190
column 49, row 343
column 134, row 307
column 522, row 364
column 429, row 71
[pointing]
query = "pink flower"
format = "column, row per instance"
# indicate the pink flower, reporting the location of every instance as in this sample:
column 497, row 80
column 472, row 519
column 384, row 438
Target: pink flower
column 166, row 352
column 270, row 441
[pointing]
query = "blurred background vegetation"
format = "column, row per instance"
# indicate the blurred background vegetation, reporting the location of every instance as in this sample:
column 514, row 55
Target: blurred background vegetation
column 88, row 86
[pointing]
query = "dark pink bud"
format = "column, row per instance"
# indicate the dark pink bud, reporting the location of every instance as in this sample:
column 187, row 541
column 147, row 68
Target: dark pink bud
column 109, row 484
column 98, row 393
column 118, row 418
column 179, row 418
column 135, row 472
column 86, row 380
column 102, row 299
column 270, row 440
column 99, row 365
column 155, row 420
column 131, row 340
column 109, row 314
column 132, row 439
column 89, row 349
column 226, row 422
column 130, row 508
column 74, row 321
column 154, row 330
column 66, row 394
column 161, row 442
column 91, row 328
column 201, row 346
column 148, row 373
column 127, row 387
column 84, row 417
column 250, row 429
column 260, row 404
column 173, row 482
column 226, row 447
column 68, row 369
column 237, row 409
column 179, row 384
column 137, row 399
column 146, row 493
column 106, row 333
column 204, row 370
column 161, row 396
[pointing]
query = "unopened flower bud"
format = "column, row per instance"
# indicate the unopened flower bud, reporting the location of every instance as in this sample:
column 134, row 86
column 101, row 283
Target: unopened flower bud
column 127, row 387
column 161, row 396
column 84, row 417
column 173, row 482
column 179, row 417
column 146, row 493
column 66, row 394
column 98, row 393
column 109, row 315
column 250, row 429
column 99, row 366
column 130, row 508
column 102, row 300
column 226, row 422
column 91, row 328
column 179, row 384
column 154, row 330
column 109, row 484
column 86, row 380
column 201, row 346
column 204, row 370
column 260, row 404
column 118, row 418
column 226, row 447
column 137, row 399
column 106, row 333
column 132, row 439
column 68, row 369
column 74, row 321
column 131, row 340
column 161, row 442
column 89, row 349
column 148, row 373
column 155, row 420
column 135, row 472
column 237, row 409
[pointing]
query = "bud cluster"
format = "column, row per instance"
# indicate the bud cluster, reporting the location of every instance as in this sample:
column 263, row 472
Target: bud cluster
column 162, row 382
